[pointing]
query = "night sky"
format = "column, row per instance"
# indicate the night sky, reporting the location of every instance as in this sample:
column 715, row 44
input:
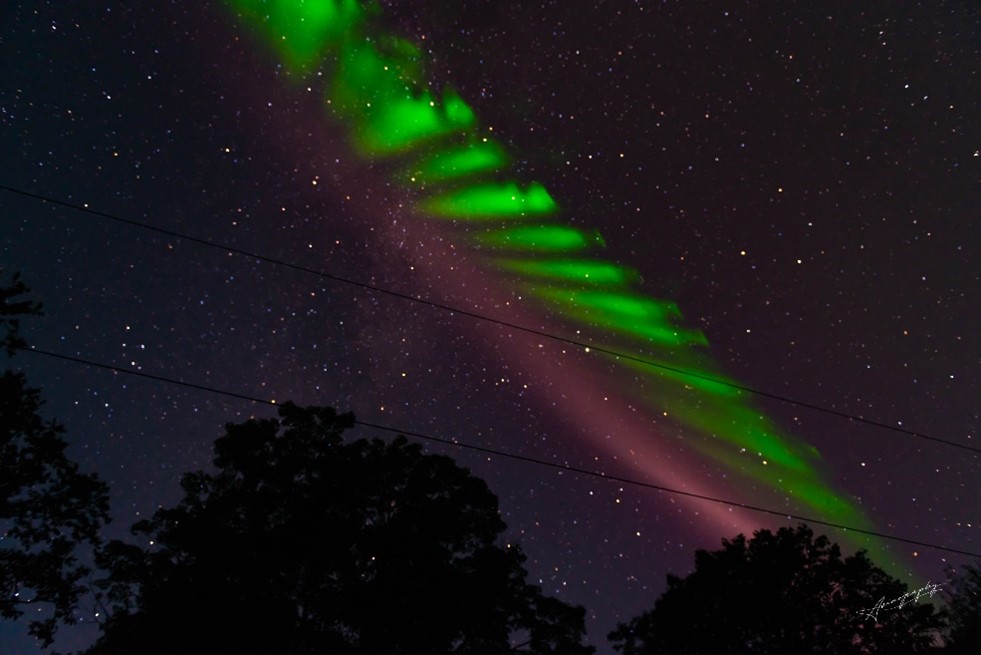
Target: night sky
column 800, row 178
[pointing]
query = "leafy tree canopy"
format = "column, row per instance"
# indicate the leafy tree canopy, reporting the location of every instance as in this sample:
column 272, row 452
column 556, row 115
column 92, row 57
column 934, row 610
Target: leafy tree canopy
column 302, row 542
column 13, row 304
column 47, row 507
column 780, row 593
column 964, row 607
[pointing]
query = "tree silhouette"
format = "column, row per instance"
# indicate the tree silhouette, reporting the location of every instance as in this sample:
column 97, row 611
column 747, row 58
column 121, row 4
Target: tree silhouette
column 781, row 593
column 304, row 543
column 964, row 608
column 47, row 508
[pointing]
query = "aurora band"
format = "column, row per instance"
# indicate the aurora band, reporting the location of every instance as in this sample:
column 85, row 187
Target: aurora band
column 376, row 88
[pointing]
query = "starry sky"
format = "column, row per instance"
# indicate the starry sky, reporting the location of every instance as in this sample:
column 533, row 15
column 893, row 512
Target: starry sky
column 800, row 178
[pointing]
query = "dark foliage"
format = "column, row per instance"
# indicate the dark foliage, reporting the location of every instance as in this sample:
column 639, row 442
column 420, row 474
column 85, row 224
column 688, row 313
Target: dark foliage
column 303, row 543
column 964, row 608
column 47, row 507
column 780, row 593
column 14, row 304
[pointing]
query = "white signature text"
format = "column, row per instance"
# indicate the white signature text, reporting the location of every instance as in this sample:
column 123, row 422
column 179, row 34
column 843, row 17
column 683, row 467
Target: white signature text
column 901, row 602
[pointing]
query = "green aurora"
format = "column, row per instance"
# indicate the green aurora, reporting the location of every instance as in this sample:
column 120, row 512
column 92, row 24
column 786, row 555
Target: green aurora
column 377, row 90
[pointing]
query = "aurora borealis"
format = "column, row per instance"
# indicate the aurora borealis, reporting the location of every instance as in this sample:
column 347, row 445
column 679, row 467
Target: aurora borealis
column 376, row 83
column 779, row 200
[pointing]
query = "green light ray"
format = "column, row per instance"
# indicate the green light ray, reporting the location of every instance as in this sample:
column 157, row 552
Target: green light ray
column 642, row 318
column 719, row 410
column 456, row 163
column 378, row 87
column 401, row 124
column 539, row 238
column 371, row 72
column 571, row 270
column 807, row 488
column 623, row 306
column 742, row 439
column 301, row 30
column 491, row 201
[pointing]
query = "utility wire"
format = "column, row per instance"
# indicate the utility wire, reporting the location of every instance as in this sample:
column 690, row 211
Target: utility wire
column 481, row 317
column 501, row 453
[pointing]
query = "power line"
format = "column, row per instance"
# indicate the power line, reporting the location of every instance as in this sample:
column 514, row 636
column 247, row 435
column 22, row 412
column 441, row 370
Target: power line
column 514, row 456
column 481, row 317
